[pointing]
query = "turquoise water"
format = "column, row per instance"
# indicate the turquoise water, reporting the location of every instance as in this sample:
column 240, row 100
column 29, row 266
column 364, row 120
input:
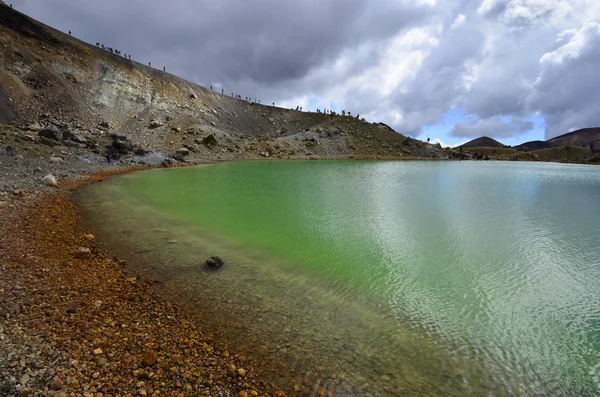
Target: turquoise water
column 382, row 278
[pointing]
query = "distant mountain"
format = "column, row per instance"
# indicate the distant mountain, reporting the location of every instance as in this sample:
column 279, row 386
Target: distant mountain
column 535, row 145
column 582, row 137
column 484, row 141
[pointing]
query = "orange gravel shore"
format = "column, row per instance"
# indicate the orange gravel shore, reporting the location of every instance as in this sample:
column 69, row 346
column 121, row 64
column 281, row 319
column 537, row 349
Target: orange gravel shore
column 76, row 323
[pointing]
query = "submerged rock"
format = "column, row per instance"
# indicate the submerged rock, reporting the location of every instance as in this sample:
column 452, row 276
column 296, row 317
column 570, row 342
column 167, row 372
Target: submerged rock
column 214, row 262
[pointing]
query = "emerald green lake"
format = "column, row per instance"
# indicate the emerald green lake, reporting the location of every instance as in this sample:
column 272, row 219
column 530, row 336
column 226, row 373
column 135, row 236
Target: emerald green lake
column 379, row 278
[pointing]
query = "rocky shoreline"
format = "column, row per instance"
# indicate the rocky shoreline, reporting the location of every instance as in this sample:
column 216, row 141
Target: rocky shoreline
column 74, row 322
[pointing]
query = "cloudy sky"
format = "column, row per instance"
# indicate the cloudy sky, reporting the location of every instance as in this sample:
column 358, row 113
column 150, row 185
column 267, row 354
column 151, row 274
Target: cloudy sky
column 450, row 70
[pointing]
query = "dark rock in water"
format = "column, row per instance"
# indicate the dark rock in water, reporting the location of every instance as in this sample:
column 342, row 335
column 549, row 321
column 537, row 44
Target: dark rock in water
column 51, row 132
column 210, row 140
column 214, row 262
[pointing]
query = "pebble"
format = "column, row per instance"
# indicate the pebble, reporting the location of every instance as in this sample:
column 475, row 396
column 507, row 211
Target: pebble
column 97, row 351
column 149, row 359
column 71, row 310
column 241, row 372
column 57, row 384
column 83, row 253
column 50, row 180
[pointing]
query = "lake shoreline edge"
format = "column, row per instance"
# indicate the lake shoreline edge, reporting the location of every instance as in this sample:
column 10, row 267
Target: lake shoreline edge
column 97, row 328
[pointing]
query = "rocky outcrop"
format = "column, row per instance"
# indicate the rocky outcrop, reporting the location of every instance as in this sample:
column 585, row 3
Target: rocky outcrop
column 52, row 133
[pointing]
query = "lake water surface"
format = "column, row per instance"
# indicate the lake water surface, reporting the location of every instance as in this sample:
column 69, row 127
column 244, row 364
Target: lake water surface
column 379, row 278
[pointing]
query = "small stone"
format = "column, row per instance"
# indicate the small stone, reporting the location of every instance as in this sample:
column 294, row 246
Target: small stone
column 83, row 253
column 56, row 159
column 242, row 394
column 142, row 374
column 149, row 358
column 241, row 372
column 24, row 392
column 71, row 310
column 97, row 351
column 57, row 384
column 89, row 237
column 50, row 180
column 13, row 364
column 231, row 371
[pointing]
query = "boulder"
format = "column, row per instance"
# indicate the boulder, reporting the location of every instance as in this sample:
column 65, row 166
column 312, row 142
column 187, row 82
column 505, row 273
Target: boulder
column 79, row 139
column 50, row 180
column 121, row 144
column 48, row 141
column 155, row 124
column 179, row 157
column 52, row 133
column 214, row 262
column 140, row 151
column 183, row 151
column 68, row 135
column 193, row 96
column 210, row 140
column 271, row 120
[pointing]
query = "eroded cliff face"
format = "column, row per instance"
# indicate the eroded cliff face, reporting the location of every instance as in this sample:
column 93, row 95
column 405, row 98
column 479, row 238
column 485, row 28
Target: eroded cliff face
column 47, row 77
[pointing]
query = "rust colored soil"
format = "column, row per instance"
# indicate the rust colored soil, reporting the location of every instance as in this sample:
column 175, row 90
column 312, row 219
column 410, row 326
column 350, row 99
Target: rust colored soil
column 76, row 323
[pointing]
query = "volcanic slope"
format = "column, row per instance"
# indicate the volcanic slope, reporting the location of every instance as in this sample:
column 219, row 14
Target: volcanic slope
column 47, row 77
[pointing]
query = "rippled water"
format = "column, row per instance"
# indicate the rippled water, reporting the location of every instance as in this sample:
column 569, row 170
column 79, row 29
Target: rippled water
column 381, row 278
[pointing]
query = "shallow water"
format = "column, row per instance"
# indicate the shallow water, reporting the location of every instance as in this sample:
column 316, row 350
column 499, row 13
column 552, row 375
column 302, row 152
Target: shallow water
column 380, row 278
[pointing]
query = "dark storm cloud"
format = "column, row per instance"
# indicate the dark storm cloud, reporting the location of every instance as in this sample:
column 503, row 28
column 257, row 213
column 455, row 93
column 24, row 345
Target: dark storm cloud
column 262, row 41
column 492, row 127
column 392, row 60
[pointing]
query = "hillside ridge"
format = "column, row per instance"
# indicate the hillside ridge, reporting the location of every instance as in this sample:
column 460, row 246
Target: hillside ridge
column 50, row 78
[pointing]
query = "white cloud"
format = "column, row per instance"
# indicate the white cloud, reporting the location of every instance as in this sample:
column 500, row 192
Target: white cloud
column 445, row 145
column 458, row 21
